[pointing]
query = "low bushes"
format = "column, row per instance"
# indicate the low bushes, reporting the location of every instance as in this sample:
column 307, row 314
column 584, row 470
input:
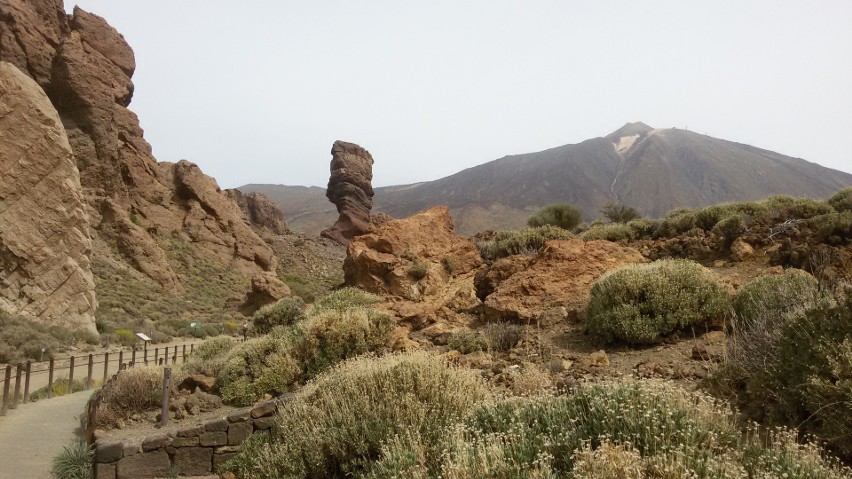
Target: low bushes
column 805, row 379
column 133, row 390
column 285, row 312
column 842, row 200
column 338, row 327
column 640, row 304
column 609, row 232
column 22, row 339
column 523, row 241
column 563, row 216
column 345, row 298
column 338, row 424
column 414, row 415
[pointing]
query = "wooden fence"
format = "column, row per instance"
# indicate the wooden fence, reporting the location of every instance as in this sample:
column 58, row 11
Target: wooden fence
column 22, row 373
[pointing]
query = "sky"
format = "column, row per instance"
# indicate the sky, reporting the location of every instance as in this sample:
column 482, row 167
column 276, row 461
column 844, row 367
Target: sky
column 257, row 91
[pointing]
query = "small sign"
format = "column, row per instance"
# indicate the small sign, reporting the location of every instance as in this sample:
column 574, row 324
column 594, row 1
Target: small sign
column 142, row 337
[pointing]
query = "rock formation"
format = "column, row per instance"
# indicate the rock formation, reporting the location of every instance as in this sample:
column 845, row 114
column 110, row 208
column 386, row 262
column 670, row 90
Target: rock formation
column 259, row 211
column 44, row 231
column 351, row 190
column 526, row 288
column 410, row 258
column 133, row 202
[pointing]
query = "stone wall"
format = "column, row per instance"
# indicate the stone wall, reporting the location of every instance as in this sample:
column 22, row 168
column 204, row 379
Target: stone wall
column 191, row 451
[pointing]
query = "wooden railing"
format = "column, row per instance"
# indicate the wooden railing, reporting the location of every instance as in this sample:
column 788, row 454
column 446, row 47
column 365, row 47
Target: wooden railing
column 23, row 373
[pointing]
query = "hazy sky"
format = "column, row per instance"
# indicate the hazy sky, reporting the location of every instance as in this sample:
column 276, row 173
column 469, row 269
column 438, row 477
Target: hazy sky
column 257, row 91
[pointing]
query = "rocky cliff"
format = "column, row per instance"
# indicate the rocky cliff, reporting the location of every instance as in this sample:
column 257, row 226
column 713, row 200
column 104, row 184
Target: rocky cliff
column 350, row 189
column 44, row 232
column 133, row 203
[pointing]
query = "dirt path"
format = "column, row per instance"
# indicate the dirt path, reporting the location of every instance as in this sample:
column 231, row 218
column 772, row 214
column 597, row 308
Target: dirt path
column 32, row 434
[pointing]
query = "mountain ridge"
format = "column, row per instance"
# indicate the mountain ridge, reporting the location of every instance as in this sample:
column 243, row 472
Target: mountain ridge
column 651, row 169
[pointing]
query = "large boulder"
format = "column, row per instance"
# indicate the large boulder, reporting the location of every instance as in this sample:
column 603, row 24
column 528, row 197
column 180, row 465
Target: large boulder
column 44, row 233
column 351, row 190
column 559, row 278
column 413, row 258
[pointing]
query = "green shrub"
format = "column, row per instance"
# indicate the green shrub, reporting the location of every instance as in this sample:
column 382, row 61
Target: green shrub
column 730, row 228
column 619, row 213
column 126, row 337
column 418, row 270
column 524, row 241
column 787, row 207
column 609, row 232
column 279, row 361
column 344, row 298
column 563, row 216
column 676, row 222
column 643, row 227
column 762, row 307
column 74, row 462
column 641, row 303
column 810, row 382
column 449, row 264
column 260, row 366
column 333, row 335
column 285, row 312
column 842, row 200
column 60, row 387
column 209, row 357
column 467, row 342
column 338, row 424
column 833, row 224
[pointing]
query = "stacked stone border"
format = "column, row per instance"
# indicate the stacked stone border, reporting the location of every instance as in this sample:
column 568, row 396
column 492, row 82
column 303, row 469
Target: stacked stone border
column 192, row 451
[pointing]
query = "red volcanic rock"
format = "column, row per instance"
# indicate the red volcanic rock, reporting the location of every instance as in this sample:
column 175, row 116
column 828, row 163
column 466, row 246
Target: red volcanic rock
column 350, row 189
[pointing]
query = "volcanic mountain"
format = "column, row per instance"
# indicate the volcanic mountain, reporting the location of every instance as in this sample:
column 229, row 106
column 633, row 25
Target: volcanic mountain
column 653, row 170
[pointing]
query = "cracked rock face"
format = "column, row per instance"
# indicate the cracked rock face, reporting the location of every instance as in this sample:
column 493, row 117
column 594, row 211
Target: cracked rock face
column 45, row 244
column 350, row 189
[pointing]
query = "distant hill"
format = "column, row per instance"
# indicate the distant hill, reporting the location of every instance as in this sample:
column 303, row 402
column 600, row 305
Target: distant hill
column 652, row 170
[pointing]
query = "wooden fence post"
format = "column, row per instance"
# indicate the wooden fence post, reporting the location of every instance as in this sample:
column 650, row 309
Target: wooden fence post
column 27, row 382
column 183, row 355
column 8, row 379
column 91, row 367
column 167, row 378
column 120, row 360
column 106, row 367
column 17, row 397
column 156, row 353
column 50, row 378
column 71, row 377
column 133, row 356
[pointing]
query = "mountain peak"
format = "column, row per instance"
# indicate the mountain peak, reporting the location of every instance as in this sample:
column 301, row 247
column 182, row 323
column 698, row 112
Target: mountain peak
column 630, row 129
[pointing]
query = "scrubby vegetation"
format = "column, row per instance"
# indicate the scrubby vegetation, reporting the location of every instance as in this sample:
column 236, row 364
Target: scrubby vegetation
column 639, row 304
column 60, row 386
column 22, row 339
column 339, row 326
column 133, row 390
column 285, row 312
column 128, row 300
column 524, row 241
column 341, row 421
column 618, row 213
column 793, row 364
column 609, row 231
column 563, row 216
column 413, row 415
column 842, row 200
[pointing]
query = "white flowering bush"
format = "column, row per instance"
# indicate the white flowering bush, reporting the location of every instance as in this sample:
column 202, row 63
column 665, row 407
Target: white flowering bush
column 639, row 304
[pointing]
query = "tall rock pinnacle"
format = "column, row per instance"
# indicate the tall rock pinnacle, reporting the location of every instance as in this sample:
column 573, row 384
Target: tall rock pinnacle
column 351, row 190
